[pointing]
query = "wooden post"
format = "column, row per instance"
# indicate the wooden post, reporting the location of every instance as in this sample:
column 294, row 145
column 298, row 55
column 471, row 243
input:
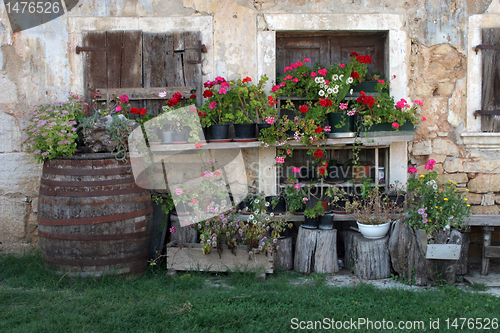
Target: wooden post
column 284, row 255
column 367, row 258
column 182, row 235
column 485, row 263
column 316, row 250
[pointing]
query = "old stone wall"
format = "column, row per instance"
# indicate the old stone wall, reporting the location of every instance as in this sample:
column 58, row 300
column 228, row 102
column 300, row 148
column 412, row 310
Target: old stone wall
column 37, row 66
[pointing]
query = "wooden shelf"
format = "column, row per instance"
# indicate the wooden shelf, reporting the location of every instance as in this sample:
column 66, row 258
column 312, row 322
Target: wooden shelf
column 372, row 142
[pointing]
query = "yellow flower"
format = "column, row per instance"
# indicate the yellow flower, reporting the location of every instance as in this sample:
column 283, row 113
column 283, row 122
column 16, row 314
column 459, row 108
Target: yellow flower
column 448, row 187
column 422, row 176
column 465, row 199
column 468, row 205
column 454, row 183
column 450, row 181
column 430, row 220
column 467, row 189
column 436, row 206
column 445, row 199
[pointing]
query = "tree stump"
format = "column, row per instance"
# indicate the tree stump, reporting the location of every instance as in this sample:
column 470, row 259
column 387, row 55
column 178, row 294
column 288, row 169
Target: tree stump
column 283, row 259
column 367, row 258
column 182, row 235
column 408, row 256
column 316, row 250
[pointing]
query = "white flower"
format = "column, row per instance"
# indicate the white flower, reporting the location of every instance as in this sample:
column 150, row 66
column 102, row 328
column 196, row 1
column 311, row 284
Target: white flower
column 336, row 90
column 256, row 212
column 351, row 91
column 322, row 86
column 350, row 80
column 267, row 204
column 250, row 217
column 321, row 93
column 337, row 86
column 272, row 214
column 335, row 77
column 329, row 91
column 267, row 218
column 341, row 77
column 317, row 80
column 321, row 79
column 256, row 201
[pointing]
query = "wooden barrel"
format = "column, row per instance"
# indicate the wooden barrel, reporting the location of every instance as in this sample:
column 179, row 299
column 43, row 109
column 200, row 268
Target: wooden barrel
column 92, row 217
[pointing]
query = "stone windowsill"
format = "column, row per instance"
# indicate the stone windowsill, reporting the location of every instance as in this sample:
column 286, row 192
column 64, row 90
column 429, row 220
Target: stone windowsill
column 481, row 140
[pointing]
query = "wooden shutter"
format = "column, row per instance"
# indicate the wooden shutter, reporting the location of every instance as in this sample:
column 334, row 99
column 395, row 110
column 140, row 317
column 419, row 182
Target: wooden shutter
column 491, row 81
column 141, row 65
column 329, row 48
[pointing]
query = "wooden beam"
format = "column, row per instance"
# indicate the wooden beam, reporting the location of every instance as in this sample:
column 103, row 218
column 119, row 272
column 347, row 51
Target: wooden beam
column 144, row 93
column 484, row 220
column 492, row 251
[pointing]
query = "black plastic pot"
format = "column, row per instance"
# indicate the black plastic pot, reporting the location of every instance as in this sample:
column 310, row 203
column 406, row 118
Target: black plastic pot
column 219, row 131
column 335, row 173
column 244, row 131
column 262, row 126
column 279, row 208
column 310, row 222
column 326, row 222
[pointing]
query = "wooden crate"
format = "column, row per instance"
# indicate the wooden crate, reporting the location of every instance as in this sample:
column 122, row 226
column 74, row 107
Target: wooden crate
column 189, row 257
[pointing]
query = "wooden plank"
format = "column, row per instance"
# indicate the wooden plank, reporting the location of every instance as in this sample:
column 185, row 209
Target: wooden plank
column 114, row 40
column 169, row 61
column 131, row 59
column 484, row 220
column 190, row 257
column 492, row 251
column 491, row 80
column 191, row 45
column 95, row 63
column 443, row 251
column 154, row 51
column 144, row 93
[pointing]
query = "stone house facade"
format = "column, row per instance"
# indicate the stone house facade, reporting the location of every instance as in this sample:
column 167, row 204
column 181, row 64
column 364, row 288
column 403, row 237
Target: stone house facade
column 429, row 48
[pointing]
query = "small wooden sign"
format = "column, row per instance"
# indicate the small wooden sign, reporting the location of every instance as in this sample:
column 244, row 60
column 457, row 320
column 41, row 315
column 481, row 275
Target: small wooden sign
column 443, row 251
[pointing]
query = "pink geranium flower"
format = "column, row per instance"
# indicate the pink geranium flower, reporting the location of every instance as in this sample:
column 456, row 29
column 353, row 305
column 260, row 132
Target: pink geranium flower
column 395, row 125
column 297, row 186
column 222, row 91
column 419, row 102
column 212, row 105
column 342, row 65
column 296, row 170
column 412, row 170
column 295, row 80
column 307, row 60
column 322, row 72
column 314, row 74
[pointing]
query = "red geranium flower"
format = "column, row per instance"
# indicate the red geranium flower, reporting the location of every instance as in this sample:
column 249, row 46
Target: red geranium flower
column 354, row 54
column 318, row 153
column 177, row 95
column 247, row 79
column 134, row 110
column 355, row 75
column 318, row 129
column 208, row 93
column 217, row 173
column 322, row 171
column 193, row 96
column 325, row 102
column 303, row 109
column 142, row 111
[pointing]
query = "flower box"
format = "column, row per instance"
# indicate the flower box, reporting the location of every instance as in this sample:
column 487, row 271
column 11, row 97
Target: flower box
column 386, row 129
column 189, row 257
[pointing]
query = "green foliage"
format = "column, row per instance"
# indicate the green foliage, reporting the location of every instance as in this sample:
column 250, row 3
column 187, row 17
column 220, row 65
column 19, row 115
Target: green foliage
column 295, row 197
column 52, row 131
column 315, row 211
column 436, row 207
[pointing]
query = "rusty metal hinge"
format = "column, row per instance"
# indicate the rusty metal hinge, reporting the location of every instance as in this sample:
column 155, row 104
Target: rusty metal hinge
column 201, row 49
column 486, row 113
column 90, row 49
column 486, row 47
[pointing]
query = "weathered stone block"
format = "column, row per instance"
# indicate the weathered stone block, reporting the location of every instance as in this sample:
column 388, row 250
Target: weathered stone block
column 488, row 210
column 474, row 198
column 455, row 177
column 485, row 183
column 497, row 198
column 453, row 165
column 422, row 148
column 488, row 199
column 457, row 103
column 439, row 158
column 10, row 134
column 20, row 174
column 445, row 147
column 482, row 165
column 13, row 214
column 8, row 90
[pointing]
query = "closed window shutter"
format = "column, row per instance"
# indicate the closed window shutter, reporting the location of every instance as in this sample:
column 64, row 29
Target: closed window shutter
column 141, row 65
column 491, row 81
column 328, row 49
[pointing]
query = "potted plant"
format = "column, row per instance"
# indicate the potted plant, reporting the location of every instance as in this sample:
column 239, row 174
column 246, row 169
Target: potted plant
column 295, row 195
column 382, row 114
column 373, row 213
column 52, row 130
column 431, row 241
column 217, row 110
column 311, row 216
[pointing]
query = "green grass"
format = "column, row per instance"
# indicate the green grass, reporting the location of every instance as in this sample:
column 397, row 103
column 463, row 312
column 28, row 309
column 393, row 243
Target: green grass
column 35, row 300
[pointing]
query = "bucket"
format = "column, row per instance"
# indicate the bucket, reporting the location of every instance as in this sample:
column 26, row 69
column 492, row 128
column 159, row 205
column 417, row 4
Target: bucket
column 92, row 217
